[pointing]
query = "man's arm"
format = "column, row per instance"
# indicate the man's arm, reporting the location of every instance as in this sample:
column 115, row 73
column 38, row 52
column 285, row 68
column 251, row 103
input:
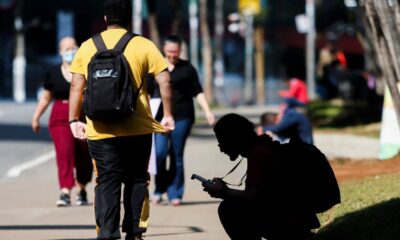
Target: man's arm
column 164, row 81
column 78, row 83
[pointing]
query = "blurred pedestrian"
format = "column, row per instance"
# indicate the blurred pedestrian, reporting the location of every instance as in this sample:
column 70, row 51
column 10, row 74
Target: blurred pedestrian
column 331, row 66
column 268, row 206
column 325, row 59
column 185, row 86
column 70, row 152
column 292, row 124
column 120, row 148
column 266, row 119
column 297, row 91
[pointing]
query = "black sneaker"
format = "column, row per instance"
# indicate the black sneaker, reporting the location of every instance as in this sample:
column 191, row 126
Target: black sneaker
column 82, row 198
column 64, row 200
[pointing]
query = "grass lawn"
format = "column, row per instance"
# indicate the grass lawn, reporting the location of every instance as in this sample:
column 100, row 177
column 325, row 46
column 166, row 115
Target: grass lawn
column 370, row 210
column 369, row 130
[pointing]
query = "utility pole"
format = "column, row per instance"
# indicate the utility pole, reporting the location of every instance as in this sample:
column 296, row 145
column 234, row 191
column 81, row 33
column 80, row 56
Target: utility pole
column 248, row 72
column 249, row 9
column 310, row 48
column 219, row 50
column 137, row 16
column 194, row 36
column 19, row 61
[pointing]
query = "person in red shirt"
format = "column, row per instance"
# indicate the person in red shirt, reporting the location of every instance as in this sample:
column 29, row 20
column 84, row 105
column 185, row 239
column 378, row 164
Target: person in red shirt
column 297, row 90
column 267, row 207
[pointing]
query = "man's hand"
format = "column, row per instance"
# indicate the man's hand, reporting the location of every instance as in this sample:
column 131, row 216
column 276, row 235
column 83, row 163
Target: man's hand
column 215, row 188
column 168, row 123
column 78, row 129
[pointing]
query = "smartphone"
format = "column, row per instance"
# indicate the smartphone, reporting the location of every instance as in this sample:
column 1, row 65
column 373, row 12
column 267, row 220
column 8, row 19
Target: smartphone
column 198, row 177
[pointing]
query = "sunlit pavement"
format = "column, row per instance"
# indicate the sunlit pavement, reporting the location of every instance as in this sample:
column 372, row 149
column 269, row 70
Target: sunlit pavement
column 27, row 205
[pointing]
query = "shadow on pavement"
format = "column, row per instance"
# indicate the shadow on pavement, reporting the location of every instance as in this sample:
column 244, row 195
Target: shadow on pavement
column 47, row 227
column 187, row 230
column 377, row 222
column 189, row 203
column 10, row 132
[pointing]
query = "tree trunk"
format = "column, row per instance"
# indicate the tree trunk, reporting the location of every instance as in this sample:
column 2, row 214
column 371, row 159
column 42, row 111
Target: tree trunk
column 206, row 52
column 194, row 35
column 382, row 20
column 259, row 59
column 154, row 33
column 219, row 66
column 176, row 23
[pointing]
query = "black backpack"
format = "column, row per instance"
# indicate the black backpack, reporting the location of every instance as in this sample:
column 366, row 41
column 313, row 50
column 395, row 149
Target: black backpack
column 310, row 175
column 110, row 94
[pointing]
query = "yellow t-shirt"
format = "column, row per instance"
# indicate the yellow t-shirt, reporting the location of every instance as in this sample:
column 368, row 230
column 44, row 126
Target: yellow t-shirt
column 144, row 58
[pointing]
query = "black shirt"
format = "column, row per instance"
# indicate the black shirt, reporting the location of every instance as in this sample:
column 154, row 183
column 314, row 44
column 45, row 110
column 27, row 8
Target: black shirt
column 56, row 83
column 185, row 85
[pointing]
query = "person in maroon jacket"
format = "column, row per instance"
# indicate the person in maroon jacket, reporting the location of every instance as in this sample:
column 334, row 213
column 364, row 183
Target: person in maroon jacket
column 70, row 152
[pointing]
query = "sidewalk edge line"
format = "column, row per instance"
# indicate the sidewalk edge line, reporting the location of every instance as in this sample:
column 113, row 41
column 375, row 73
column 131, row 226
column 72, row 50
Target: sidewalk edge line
column 16, row 171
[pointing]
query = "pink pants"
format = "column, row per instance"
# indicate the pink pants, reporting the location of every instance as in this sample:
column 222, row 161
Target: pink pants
column 70, row 152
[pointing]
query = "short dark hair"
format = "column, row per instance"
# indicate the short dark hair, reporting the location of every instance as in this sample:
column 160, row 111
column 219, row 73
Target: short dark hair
column 234, row 127
column 174, row 39
column 268, row 118
column 118, row 12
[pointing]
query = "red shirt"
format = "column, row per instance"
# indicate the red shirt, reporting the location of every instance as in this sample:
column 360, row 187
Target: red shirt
column 297, row 90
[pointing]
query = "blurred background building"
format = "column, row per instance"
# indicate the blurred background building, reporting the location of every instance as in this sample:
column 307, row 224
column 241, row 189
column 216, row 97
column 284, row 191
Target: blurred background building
column 41, row 23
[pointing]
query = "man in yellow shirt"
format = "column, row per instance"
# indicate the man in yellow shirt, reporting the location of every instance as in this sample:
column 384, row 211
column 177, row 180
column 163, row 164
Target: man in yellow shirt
column 120, row 150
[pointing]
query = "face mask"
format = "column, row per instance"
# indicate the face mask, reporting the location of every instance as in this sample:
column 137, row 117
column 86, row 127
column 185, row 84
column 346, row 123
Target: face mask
column 68, row 56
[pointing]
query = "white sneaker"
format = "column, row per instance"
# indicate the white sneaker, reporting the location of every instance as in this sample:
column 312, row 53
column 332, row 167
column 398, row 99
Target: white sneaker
column 64, row 200
column 156, row 199
column 176, row 202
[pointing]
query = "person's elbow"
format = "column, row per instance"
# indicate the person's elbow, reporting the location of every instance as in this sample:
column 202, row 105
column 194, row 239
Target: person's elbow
column 163, row 78
column 78, row 81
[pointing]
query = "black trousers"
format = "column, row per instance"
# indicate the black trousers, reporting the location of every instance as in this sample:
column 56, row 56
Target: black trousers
column 243, row 221
column 117, row 161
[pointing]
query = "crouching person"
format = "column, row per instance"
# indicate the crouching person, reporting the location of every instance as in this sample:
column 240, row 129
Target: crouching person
column 267, row 207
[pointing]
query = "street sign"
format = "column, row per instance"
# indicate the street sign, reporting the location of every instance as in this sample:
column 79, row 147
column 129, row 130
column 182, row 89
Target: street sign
column 252, row 7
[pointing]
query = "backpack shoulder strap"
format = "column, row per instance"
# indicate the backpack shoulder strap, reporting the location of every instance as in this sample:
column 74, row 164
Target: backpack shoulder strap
column 124, row 41
column 99, row 42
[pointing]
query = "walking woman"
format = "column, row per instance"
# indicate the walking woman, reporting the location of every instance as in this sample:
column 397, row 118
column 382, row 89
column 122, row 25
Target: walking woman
column 185, row 86
column 70, row 152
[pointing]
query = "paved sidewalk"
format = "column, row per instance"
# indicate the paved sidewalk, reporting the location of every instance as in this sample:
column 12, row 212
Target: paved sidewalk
column 347, row 146
column 27, row 203
column 27, row 209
